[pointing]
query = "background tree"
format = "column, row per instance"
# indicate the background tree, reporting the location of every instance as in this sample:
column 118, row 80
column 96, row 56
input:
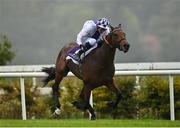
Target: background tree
column 6, row 53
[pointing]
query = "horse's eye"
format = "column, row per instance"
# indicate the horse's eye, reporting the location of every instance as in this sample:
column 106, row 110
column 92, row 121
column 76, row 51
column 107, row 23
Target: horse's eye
column 115, row 36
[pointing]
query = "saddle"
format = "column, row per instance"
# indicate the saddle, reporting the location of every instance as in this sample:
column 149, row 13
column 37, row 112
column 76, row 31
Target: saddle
column 72, row 54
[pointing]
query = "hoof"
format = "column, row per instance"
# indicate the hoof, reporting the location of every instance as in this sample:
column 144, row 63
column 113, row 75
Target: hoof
column 57, row 112
column 93, row 117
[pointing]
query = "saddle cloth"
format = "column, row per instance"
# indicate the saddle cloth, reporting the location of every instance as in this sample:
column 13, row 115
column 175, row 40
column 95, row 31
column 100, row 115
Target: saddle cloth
column 72, row 54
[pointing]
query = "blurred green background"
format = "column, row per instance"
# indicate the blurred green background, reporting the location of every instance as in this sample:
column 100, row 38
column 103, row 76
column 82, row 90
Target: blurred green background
column 38, row 29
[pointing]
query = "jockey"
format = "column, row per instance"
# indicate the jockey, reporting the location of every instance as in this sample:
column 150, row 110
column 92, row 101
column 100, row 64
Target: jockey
column 91, row 33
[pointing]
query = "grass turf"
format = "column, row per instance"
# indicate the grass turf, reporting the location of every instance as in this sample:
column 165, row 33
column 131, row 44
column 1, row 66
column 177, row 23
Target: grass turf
column 88, row 123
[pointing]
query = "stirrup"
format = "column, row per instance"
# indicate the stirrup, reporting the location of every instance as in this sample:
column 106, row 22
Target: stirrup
column 79, row 58
column 79, row 55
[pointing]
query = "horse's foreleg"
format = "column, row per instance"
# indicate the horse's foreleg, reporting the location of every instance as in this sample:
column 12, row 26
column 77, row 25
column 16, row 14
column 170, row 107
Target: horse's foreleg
column 85, row 95
column 118, row 93
column 83, row 103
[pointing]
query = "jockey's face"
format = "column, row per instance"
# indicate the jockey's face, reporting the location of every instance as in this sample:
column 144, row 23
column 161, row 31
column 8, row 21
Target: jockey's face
column 101, row 30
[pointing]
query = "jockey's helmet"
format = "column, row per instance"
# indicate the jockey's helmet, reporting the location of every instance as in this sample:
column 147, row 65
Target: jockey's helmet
column 103, row 23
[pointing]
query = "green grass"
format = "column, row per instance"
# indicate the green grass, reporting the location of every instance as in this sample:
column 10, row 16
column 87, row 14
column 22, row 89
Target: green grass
column 88, row 123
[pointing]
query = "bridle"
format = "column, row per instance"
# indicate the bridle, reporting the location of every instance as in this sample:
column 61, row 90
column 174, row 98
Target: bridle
column 110, row 34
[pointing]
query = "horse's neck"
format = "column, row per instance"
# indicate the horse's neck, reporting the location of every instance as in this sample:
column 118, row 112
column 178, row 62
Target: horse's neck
column 107, row 53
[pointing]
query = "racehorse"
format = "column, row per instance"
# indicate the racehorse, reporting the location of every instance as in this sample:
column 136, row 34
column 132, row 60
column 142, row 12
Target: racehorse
column 96, row 69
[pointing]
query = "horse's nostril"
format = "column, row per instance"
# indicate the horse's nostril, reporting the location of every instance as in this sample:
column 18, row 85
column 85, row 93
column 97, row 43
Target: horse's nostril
column 126, row 46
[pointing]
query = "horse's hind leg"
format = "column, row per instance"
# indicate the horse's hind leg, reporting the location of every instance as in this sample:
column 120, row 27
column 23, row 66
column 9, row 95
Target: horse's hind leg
column 56, row 94
column 116, row 90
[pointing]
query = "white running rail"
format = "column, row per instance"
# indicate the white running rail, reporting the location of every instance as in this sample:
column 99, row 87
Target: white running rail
column 124, row 69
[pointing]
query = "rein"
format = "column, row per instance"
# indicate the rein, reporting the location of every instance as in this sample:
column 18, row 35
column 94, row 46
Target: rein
column 106, row 41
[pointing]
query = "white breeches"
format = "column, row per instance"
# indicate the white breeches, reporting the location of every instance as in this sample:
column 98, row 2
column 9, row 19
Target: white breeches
column 91, row 41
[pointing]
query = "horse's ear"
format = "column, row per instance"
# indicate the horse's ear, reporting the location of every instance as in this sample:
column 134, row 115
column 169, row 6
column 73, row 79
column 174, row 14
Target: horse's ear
column 112, row 28
column 119, row 26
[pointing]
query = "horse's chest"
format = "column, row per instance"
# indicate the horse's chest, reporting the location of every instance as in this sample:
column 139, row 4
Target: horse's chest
column 102, row 71
column 98, row 72
column 107, row 72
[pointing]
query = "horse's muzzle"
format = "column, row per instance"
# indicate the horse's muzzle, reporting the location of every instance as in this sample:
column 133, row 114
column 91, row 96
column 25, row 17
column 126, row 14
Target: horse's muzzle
column 124, row 48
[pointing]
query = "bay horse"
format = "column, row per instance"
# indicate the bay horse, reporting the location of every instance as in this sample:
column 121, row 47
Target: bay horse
column 97, row 69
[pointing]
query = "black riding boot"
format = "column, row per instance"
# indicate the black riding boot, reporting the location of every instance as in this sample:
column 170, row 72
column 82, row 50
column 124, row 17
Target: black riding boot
column 79, row 53
column 87, row 46
column 83, row 49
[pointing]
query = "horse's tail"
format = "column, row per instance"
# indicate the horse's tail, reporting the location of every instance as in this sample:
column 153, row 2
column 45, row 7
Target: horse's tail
column 51, row 74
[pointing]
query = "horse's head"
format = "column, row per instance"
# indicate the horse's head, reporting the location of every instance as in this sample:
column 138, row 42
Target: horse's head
column 117, row 39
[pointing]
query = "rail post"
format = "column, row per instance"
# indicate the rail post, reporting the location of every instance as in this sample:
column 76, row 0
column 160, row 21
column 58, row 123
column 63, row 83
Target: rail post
column 171, row 93
column 23, row 100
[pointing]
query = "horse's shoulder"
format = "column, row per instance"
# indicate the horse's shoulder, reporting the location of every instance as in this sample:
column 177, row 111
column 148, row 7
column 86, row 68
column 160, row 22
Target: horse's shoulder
column 69, row 46
column 72, row 44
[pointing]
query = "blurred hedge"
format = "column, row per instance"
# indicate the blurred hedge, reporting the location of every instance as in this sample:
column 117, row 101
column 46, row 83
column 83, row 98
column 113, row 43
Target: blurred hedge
column 10, row 100
column 153, row 97
column 149, row 100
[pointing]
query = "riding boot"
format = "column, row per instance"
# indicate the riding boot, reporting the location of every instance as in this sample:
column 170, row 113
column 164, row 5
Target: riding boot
column 83, row 49
column 87, row 46
column 79, row 54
